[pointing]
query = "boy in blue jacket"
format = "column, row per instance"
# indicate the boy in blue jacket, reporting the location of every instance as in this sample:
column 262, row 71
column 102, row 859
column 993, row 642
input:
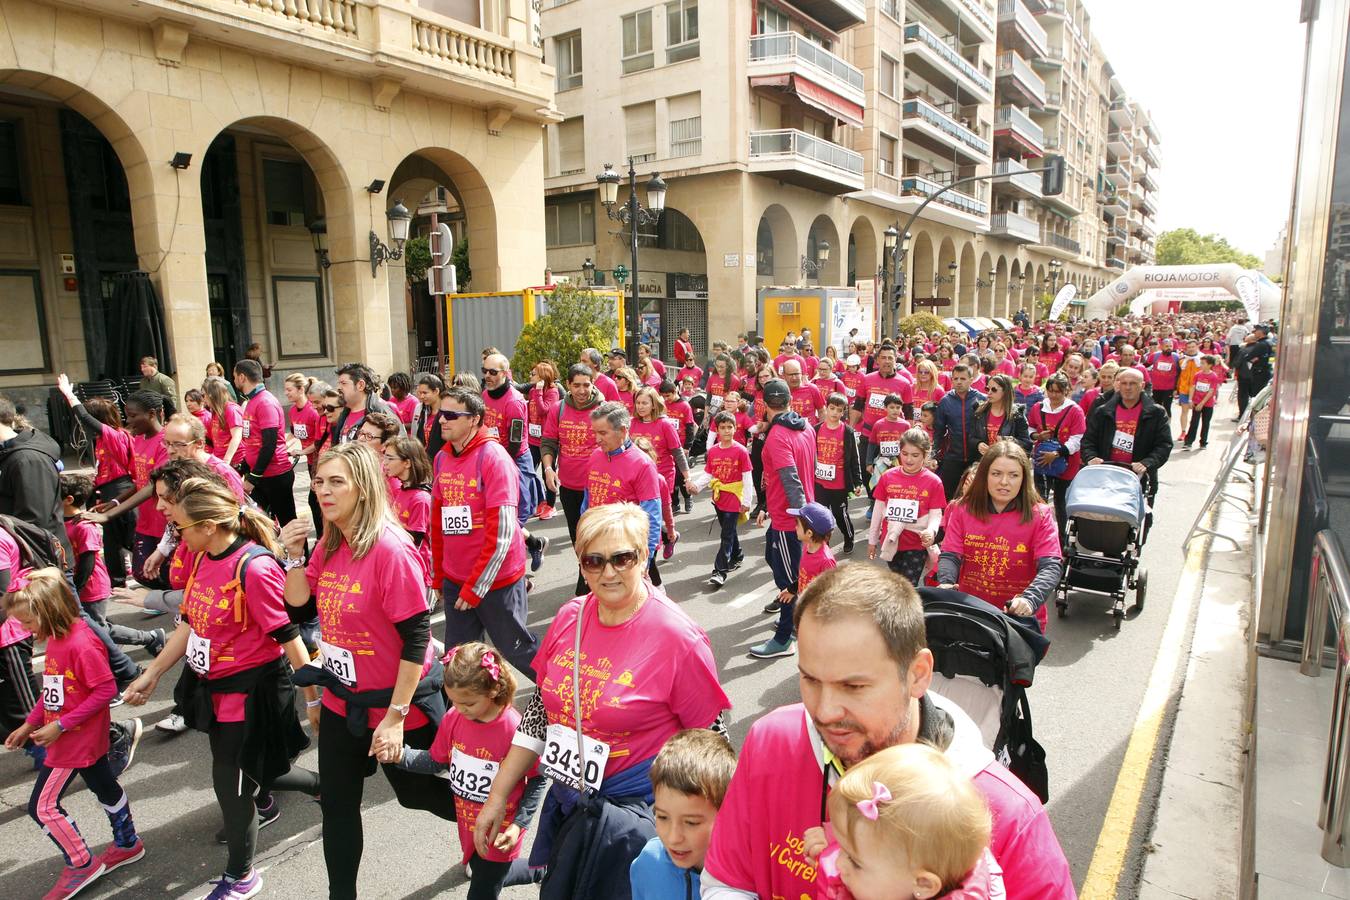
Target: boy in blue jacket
column 689, row 781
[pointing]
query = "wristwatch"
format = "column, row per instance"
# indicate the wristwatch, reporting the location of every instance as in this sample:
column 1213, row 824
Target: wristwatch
column 402, row 710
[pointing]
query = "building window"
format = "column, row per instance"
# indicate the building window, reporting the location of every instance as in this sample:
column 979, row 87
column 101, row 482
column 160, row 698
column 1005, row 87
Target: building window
column 886, row 155
column 11, row 171
column 569, row 220
column 769, row 19
column 572, row 146
column 637, row 42
column 640, row 130
column 284, row 188
column 891, row 8
column 681, row 30
column 888, row 76
column 674, row 231
column 686, row 125
column 567, row 57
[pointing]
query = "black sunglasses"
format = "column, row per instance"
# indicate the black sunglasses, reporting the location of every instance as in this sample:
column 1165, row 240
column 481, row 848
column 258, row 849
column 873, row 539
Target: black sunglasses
column 491, row 371
column 455, row 414
column 327, row 408
column 621, row 561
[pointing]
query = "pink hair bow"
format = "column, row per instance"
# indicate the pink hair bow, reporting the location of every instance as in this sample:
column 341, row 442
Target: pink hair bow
column 489, row 662
column 872, row 808
column 449, row 655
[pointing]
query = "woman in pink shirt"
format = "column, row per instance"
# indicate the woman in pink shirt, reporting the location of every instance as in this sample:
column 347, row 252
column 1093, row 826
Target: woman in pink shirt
column 927, row 387
column 369, row 583
column 409, row 472
column 227, row 421
column 650, row 421
column 544, row 395
column 624, row 718
column 240, row 646
column 401, row 395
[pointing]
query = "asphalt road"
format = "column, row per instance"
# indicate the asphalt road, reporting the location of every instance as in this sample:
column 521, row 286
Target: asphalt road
column 1084, row 703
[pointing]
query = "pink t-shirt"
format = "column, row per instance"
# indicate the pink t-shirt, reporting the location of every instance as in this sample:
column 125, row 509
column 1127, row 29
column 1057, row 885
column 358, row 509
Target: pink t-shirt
column 807, row 402
column 220, row 432
column 829, row 469
column 787, row 447
column 307, row 426
column 238, row 638
column 86, row 537
column 1163, row 369
column 641, row 681
column 205, row 416
column 1205, row 388
column 463, row 488
column 218, row 465
column 608, row 389
column 813, row 564
column 81, row 662
column 359, row 601
column 11, row 632
column 1127, row 425
column 874, row 391
column 263, row 411
column 412, row 507
column 406, row 408
column 628, row 476
column 681, row 413
column 479, row 740
column 999, row 555
column 112, row 455
column 689, row 372
column 571, row 428
column 501, row 412
column 665, row 438
column 718, row 385
column 728, row 465
column 539, row 405
column 828, row 386
column 924, row 395
column 853, row 382
column 924, row 487
column 147, row 454
column 886, row 436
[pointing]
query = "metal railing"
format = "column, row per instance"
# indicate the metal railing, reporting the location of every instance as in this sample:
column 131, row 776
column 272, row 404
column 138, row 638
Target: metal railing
column 1020, row 122
column 1016, row 11
column 790, row 45
column 1009, row 62
column 1018, row 174
column 1051, row 239
column 1329, row 596
column 917, row 31
column 1015, row 224
column 791, row 142
column 918, row 184
column 918, row 108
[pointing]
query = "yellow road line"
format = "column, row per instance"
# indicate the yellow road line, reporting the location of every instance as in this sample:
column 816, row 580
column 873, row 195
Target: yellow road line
column 1108, row 859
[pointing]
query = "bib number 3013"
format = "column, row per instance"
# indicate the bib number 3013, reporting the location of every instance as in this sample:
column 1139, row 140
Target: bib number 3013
column 562, row 762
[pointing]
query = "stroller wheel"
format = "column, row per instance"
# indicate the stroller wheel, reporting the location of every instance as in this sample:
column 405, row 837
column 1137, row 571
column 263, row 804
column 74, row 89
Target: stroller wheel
column 1062, row 606
column 1140, row 590
column 1118, row 612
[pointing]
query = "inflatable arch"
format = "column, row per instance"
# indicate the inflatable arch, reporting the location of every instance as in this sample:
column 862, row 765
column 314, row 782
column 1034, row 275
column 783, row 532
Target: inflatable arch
column 1258, row 294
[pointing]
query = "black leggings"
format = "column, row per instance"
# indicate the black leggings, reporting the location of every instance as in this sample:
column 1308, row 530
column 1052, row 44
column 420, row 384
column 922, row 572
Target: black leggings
column 118, row 533
column 344, row 767
column 237, row 793
column 571, row 503
column 550, row 497
column 1058, row 490
column 490, row 877
column 276, row 494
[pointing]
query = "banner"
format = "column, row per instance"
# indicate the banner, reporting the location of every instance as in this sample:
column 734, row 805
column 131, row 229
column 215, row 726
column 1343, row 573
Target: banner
column 1245, row 286
column 1062, row 301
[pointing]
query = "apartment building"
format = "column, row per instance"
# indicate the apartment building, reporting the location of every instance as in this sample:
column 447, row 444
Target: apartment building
column 792, row 133
column 246, row 155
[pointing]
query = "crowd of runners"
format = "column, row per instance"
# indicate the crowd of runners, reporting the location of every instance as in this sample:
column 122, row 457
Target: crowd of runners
column 948, row 454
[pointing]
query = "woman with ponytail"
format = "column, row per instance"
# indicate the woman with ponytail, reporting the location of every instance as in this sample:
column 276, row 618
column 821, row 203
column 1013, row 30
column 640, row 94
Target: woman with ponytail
column 241, row 648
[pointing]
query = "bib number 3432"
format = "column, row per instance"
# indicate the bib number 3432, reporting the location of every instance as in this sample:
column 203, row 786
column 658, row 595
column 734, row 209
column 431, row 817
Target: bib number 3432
column 470, row 777
column 562, row 762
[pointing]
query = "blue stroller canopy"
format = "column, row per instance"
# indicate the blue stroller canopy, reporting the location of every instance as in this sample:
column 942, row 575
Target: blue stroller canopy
column 1107, row 492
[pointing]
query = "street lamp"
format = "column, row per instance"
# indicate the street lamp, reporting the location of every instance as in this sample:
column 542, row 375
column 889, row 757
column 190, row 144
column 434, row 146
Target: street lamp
column 982, row 284
column 318, row 232
column 949, row 278
column 813, row 267
column 399, row 221
column 1053, row 278
column 588, row 272
column 891, row 272
column 633, row 215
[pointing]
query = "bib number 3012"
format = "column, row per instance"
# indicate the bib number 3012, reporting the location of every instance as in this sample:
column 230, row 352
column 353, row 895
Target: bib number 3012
column 562, row 762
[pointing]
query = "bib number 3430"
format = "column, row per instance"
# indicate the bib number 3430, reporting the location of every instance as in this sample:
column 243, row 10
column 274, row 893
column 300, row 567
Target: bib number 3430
column 562, row 762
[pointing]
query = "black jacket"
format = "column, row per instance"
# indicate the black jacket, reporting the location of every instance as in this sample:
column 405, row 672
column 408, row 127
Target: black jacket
column 1152, row 437
column 1014, row 426
column 30, row 484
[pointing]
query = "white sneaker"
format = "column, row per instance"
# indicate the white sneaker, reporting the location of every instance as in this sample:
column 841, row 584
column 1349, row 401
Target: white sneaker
column 172, row 723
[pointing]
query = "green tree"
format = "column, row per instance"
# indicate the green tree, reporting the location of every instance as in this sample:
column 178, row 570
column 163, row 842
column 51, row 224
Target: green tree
column 460, row 258
column 577, row 318
column 921, row 323
column 416, row 259
column 1187, row 247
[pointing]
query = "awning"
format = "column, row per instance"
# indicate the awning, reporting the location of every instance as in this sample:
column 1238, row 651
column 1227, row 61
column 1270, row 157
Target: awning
column 812, row 94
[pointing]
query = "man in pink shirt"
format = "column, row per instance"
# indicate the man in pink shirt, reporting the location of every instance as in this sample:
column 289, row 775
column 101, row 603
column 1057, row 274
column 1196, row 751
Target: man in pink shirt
column 593, row 360
column 807, row 401
column 621, row 473
column 267, row 471
column 865, row 673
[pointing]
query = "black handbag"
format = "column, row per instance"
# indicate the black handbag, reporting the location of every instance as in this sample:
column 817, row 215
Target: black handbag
column 1020, row 752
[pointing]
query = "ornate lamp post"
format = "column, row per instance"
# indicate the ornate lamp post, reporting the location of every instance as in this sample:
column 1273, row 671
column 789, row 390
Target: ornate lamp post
column 632, row 214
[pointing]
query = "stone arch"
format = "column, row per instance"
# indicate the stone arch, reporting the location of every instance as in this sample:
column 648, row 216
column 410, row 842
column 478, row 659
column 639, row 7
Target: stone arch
column 824, row 230
column 475, row 198
column 776, row 253
column 864, row 250
column 966, row 275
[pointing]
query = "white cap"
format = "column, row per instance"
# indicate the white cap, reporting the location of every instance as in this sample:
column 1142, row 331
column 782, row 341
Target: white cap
column 853, row 360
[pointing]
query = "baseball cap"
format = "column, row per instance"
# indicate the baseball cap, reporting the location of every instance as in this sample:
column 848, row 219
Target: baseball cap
column 619, row 351
column 776, row 394
column 853, row 360
column 815, row 517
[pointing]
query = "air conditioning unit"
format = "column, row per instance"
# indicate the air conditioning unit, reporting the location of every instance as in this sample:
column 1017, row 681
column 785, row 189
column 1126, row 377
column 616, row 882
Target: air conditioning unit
column 789, row 307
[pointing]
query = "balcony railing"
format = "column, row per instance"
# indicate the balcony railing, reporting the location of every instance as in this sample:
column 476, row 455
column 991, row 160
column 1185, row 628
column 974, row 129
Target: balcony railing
column 978, row 12
column 1053, row 99
column 1115, row 262
column 462, row 50
column 1053, row 7
column 1010, row 64
column 916, row 31
column 1051, row 239
column 1016, row 12
column 1015, row 224
column 795, row 47
column 1018, row 174
column 333, row 15
column 789, row 142
column 918, row 184
column 1021, row 123
column 918, row 108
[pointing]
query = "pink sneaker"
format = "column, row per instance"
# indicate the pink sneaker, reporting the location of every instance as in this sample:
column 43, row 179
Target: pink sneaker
column 73, row 880
column 546, row 512
column 669, row 550
column 115, row 857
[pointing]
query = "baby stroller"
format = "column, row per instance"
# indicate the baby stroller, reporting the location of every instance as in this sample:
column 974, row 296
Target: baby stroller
column 1108, row 521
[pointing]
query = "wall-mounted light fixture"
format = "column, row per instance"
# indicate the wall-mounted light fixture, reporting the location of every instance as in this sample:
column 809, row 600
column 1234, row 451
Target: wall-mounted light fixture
column 399, row 221
column 181, row 160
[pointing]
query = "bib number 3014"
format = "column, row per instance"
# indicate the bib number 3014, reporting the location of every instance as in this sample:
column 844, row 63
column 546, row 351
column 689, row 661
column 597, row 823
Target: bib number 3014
column 563, row 762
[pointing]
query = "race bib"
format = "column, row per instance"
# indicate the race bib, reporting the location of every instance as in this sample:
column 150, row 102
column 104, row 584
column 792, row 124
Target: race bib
column 825, row 471
column 339, row 661
column 715, row 402
column 53, row 692
column 247, row 429
column 903, row 511
column 563, row 763
column 301, row 431
column 494, row 433
column 1201, row 387
column 876, row 401
column 470, row 777
column 890, row 449
column 536, row 430
column 1123, row 441
column 851, row 392
column 199, row 653
column 456, row 520
column 1164, row 367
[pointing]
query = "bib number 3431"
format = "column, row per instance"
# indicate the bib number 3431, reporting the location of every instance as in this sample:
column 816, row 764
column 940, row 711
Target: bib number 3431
column 562, row 762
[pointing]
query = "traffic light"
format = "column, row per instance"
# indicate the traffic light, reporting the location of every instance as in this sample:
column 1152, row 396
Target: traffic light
column 1052, row 176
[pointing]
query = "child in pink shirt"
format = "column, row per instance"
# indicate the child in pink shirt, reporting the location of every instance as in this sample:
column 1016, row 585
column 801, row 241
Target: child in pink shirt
column 409, row 471
column 1204, row 391
column 909, row 503
column 815, row 525
column 86, row 540
column 728, row 462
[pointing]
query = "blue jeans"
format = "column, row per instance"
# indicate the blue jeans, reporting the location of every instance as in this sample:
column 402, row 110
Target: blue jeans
column 730, row 548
